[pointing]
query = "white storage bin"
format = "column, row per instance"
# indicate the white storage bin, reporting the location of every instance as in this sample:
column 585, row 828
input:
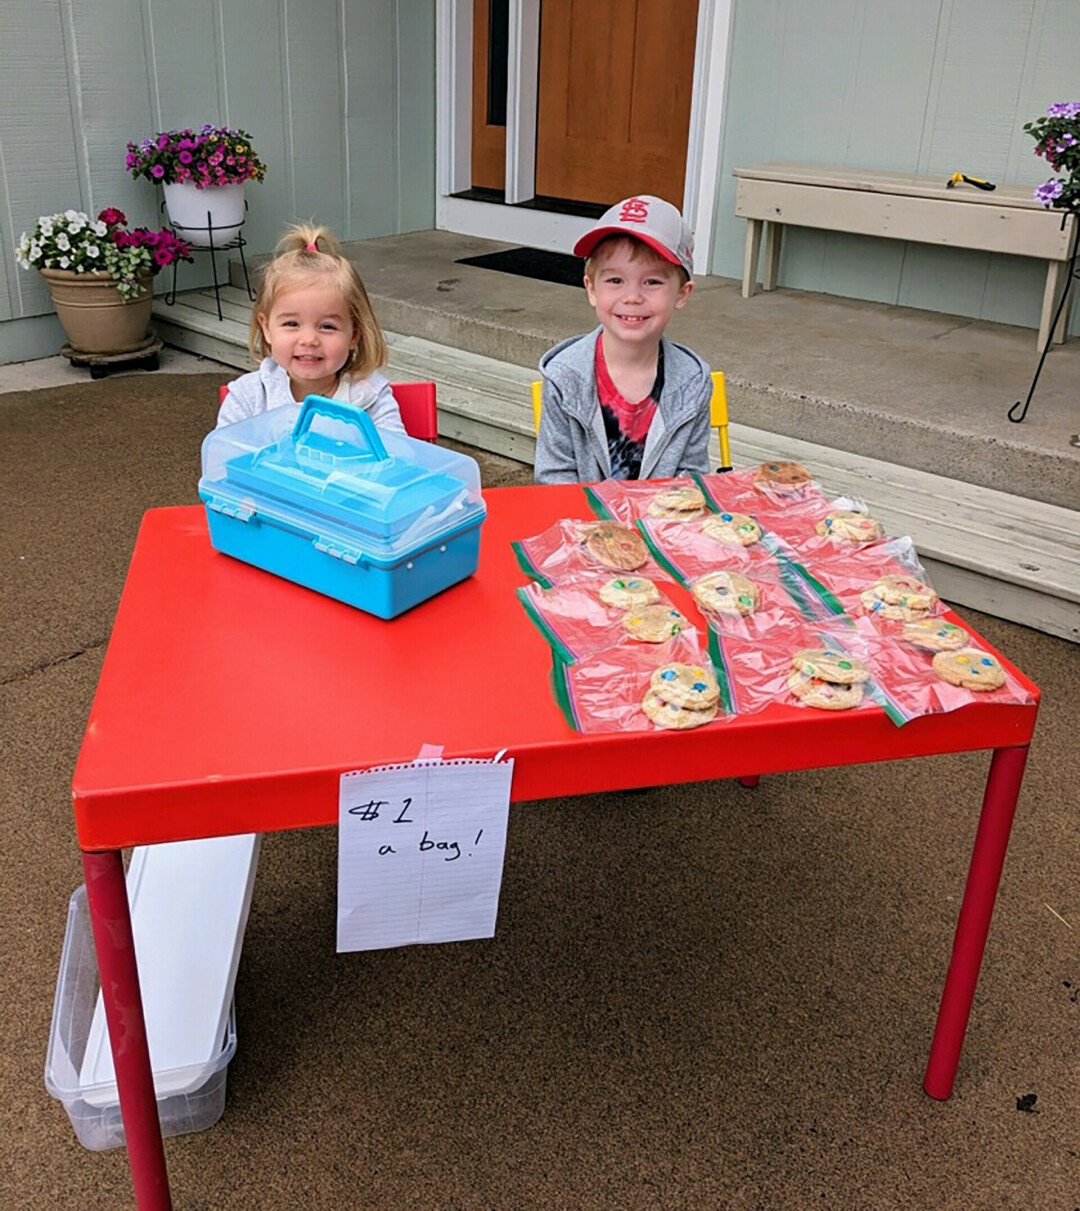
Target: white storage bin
column 94, row 1110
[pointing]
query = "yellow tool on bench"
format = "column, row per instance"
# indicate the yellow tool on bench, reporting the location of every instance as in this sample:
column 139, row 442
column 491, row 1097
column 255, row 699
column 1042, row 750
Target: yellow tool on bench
column 978, row 182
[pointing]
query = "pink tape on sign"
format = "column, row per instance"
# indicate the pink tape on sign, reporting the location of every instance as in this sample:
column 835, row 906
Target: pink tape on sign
column 430, row 752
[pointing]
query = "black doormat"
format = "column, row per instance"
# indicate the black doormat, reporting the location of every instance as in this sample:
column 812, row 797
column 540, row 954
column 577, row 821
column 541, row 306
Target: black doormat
column 533, row 263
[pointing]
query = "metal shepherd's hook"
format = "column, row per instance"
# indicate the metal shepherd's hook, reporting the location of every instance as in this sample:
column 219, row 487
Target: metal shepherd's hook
column 1072, row 273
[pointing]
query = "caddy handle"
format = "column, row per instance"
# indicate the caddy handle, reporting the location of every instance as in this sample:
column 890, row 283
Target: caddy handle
column 370, row 444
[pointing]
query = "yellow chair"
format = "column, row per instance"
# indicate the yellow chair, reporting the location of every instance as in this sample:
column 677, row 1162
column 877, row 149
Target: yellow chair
column 718, row 414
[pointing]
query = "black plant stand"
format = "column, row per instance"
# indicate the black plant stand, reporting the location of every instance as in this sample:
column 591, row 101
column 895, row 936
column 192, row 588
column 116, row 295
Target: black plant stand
column 235, row 242
column 1071, row 276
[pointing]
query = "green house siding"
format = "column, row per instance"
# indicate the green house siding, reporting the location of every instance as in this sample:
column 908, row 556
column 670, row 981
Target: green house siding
column 921, row 86
column 338, row 95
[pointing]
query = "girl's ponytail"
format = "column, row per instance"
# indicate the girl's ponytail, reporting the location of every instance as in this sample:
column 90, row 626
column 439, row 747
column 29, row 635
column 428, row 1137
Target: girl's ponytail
column 305, row 239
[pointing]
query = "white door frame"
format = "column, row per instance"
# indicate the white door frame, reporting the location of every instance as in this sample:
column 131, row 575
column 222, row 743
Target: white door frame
column 542, row 229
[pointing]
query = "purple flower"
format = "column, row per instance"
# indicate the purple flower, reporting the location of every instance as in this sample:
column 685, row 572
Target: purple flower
column 1048, row 191
column 186, row 157
column 163, row 256
column 130, row 159
column 157, row 172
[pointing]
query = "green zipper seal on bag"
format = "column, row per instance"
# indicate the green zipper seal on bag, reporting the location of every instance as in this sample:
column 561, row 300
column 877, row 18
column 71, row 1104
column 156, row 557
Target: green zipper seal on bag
column 560, row 688
column 597, row 505
column 557, row 646
column 527, row 566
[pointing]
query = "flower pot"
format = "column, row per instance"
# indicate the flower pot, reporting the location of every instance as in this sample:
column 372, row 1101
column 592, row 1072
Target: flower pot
column 205, row 217
column 95, row 316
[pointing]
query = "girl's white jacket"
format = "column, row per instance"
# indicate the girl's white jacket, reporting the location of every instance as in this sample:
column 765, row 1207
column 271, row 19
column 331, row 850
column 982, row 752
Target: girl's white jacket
column 268, row 387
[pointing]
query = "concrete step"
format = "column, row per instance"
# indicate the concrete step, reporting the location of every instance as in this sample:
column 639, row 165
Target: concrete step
column 994, row 551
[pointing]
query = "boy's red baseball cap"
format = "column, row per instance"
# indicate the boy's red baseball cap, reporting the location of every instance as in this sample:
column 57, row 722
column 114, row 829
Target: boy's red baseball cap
column 651, row 220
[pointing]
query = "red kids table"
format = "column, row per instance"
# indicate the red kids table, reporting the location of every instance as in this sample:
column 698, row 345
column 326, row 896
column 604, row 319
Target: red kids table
column 231, row 701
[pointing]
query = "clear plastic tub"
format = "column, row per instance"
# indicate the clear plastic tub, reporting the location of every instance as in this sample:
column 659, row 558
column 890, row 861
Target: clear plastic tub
column 97, row 1121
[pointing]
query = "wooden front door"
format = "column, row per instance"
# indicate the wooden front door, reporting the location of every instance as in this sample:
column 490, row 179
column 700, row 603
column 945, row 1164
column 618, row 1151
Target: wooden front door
column 613, row 110
column 488, row 107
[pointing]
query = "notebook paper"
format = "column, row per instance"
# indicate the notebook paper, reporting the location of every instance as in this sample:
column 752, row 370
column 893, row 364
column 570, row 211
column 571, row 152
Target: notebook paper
column 420, row 852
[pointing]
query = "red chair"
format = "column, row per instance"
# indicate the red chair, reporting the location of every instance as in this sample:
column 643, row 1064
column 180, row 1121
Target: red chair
column 416, row 402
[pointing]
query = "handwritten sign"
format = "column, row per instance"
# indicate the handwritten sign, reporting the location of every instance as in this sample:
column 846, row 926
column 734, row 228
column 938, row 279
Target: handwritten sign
column 420, row 852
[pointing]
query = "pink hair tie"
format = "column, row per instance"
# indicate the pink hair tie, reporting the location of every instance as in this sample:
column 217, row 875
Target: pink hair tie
column 313, row 248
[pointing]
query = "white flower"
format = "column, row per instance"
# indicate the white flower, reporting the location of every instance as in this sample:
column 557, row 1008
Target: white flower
column 23, row 262
column 64, row 262
column 62, row 242
column 100, row 228
column 92, row 250
column 46, row 226
column 75, row 227
column 24, row 244
column 72, row 216
column 35, row 250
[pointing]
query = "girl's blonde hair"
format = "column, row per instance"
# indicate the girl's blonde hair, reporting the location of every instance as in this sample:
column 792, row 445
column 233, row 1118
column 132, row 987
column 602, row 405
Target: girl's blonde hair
column 310, row 256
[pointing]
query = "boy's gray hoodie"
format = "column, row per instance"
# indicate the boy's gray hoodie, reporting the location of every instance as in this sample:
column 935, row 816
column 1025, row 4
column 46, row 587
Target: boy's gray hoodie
column 572, row 445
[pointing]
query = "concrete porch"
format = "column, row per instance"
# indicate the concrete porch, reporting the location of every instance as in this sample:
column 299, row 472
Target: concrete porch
column 905, row 408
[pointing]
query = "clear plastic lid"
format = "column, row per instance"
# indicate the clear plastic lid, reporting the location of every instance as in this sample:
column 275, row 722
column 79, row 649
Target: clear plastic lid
column 323, row 468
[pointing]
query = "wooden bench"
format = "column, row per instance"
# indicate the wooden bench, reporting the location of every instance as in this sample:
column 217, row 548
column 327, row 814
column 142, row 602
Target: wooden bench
column 902, row 207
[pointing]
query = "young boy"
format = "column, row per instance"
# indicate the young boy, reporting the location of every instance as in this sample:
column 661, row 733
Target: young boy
column 622, row 402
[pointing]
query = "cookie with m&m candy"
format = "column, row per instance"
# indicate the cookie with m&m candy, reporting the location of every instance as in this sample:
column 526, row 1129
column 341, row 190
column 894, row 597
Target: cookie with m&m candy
column 668, row 715
column 970, row 668
column 654, row 623
column 629, row 592
column 782, row 477
column 688, row 685
column 732, row 527
column 830, row 665
column 846, row 525
column 678, row 504
column 724, row 592
column 616, row 547
column 898, row 597
column 825, row 695
column 935, row 635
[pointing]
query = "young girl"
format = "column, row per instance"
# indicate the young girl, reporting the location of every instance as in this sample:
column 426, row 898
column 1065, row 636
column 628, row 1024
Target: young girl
column 313, row 327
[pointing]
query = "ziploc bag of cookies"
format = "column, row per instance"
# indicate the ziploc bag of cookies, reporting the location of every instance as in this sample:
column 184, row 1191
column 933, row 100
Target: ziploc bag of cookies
column 811, row 669
column 760, row 601
column 884, row 582
column 692, row 549
column 773, row 484
column 588, row 614
column 628, row 500
column 939, row 666
column 570, row 547
column 827, row 528
column 669, row 686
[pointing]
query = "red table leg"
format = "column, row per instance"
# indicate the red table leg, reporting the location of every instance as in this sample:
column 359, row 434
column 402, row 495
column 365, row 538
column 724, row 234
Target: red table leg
column 987, row 859
column 106, row 893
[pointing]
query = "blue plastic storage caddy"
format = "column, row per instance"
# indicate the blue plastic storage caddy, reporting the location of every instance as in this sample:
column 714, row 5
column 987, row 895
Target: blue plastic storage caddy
column 316, row 494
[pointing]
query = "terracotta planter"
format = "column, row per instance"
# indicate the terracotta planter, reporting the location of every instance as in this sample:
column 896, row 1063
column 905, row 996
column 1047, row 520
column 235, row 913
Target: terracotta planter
column 199, row 214
column 95, row 316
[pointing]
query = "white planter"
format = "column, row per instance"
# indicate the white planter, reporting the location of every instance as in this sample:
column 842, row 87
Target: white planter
column 205, row 216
